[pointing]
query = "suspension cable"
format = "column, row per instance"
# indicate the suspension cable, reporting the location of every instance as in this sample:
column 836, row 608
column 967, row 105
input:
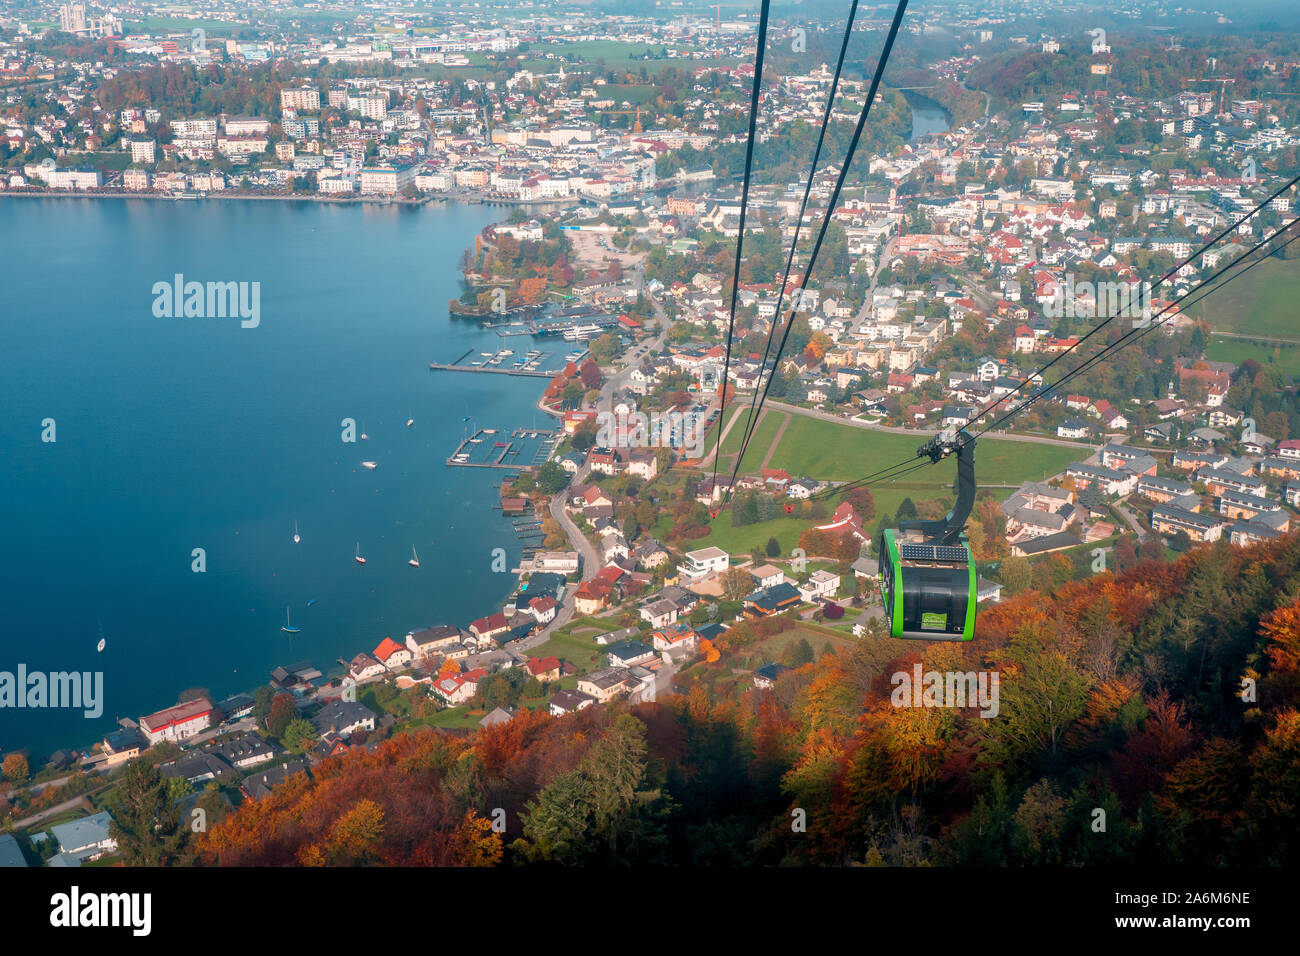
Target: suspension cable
column 830, row 208
column 740, row 236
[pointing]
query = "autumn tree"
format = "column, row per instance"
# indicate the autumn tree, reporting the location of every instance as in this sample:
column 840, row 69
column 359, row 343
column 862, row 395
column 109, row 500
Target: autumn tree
column 589, row 372
column 283, row 710
column 14, row 769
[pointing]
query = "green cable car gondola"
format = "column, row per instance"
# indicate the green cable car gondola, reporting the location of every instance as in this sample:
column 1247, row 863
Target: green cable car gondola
column 927, row 573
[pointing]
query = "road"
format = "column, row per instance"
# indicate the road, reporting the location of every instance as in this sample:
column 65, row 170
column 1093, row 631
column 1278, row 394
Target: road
column 1122, row 509
column 79, row 801
column 577, row 540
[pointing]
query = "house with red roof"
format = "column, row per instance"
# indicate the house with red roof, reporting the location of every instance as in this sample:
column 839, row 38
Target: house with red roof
column 459, row 688
column 591, row 596
column 544, row 668
column 490, row 627
column 392, row 655
column 542, row 608
column 179, row 722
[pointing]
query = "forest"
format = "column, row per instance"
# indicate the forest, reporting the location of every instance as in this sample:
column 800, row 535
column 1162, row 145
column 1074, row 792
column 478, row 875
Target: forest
column 1149, row 717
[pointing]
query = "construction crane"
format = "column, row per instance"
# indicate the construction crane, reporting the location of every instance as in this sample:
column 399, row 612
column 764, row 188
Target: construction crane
column 636, row 126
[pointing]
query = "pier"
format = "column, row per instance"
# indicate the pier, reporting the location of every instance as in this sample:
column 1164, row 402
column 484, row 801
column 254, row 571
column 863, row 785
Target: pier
column 526, row 373
column 505, row 454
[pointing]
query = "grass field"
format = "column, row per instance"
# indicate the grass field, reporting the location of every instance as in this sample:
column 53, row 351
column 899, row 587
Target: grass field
column 842, row 452
column 1262, row 304
column 834, row 452
column 1285, row 357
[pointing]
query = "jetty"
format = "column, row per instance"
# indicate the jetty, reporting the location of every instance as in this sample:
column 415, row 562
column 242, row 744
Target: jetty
column 527, row 373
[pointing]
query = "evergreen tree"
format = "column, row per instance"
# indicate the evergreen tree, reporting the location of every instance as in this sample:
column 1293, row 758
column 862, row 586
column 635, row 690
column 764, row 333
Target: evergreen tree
column 146, row 825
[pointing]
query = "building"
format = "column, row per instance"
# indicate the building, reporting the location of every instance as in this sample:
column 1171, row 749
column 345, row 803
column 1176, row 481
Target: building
column 606, row 684
column 304, row 99
column 569, row 702
column 122, row 745
column 392, row 655
column 343, row 717
column 1170, row 519
column 74, row 179
column 81, row 841
column 700, row 564
column 178, row 723
column 630, row 653
column 660, row 613
column 142, row 150
column 820, row 584
column 428, row 641
column 544, row 668
column 773, row 600
column 386, row 180
column 11, row 854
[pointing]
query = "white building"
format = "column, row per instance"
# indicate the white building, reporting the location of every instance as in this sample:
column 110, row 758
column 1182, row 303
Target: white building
column 706, row 561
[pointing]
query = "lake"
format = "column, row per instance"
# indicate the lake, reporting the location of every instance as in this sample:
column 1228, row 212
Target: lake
column 176, row 434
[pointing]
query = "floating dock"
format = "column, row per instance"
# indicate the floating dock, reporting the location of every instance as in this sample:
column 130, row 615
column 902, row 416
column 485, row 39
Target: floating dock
column 540, row 443
column 528, row 373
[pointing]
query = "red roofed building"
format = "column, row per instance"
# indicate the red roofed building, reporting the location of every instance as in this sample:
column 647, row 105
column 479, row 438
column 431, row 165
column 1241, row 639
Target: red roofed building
column 542, row 608
column 610, row 575
column 544, row 668
column 459, row 688
column 179, row 722
column 591, row 596
column 391, row 654
column 1216, row 383
column 844, row 521
column 490, row 626
column 573, row 419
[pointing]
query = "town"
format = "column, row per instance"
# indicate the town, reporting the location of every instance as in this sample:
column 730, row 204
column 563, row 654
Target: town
column 957, row 266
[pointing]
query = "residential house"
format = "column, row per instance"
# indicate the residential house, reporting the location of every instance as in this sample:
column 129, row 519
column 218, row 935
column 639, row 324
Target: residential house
column 569, row 702
column 392, row 655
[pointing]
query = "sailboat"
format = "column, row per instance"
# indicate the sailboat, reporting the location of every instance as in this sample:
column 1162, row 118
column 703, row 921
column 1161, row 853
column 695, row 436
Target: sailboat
column 415, row 558
column 410, row 422
column 296, row 536
column 360, row 559
column 287, row 627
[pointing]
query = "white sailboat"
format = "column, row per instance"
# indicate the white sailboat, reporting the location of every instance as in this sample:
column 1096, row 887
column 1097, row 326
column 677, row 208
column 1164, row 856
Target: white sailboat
column 296, row 536
column 360, row 559
column 415, row 558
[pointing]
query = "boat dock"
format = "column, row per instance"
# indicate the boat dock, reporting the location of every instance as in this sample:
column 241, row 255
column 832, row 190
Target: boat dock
column 529, row 373
column 512, row 453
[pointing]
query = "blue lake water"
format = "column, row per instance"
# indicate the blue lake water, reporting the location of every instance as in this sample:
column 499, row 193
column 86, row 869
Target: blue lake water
column 183, row 433
column 928, row 117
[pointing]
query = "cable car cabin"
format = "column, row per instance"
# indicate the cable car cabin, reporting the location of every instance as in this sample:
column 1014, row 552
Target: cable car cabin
column 927, row 573
column 928, row 589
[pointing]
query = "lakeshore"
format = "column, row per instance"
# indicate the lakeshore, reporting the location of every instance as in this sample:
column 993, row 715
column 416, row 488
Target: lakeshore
column 230, row 616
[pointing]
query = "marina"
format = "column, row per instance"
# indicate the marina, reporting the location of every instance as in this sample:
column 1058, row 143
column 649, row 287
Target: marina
column 487, row 448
